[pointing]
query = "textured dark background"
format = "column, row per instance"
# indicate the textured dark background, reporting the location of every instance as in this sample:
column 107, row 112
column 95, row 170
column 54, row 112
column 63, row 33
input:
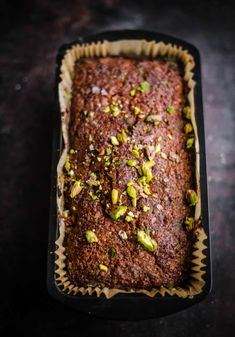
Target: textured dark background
column 31, row 32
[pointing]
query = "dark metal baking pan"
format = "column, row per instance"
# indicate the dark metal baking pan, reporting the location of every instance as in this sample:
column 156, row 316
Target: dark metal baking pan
column 128, row 306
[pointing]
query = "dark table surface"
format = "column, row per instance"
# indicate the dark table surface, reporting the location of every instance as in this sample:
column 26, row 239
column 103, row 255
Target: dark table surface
column 31, row 33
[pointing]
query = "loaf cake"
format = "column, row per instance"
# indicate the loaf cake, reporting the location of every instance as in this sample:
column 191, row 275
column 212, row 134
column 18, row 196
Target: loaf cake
column 129, row 189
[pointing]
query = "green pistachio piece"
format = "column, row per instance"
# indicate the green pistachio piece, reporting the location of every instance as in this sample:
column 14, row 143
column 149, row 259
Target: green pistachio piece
column 141, row 180
column 129, row 218
column 131, row 162
column 187, row 112
column 108, row 151
column 114, row 141
column 76, row 189
column 72, row 151
column 115, row 110
column 122, row 137
column 137, row 110
column 145, row 208
column 114, row 195
column 146, row 170
column 157, row 148
column 189, row 223
column 143, row 87
column 106, row 109
column 103, row 267
column 90, row 138
column 154, row 118
column 94, row 196
column 170, row 109
column 112, row 252
column 118, row 212
column 146, row 241
column 189, row 142
column 66, row 214
column 131, row 191
column 188, row 128
column 67, row 166
column 91, row 237
column 132, row 92
column 146, row 190
column 191, row 197
column 135, row 152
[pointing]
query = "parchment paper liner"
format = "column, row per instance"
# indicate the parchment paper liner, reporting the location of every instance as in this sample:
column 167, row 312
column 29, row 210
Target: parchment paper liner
column 126, row 48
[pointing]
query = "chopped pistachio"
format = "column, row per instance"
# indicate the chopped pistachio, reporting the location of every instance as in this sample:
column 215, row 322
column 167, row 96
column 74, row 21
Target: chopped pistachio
column 85, row 112
column 91, row 237
column 76, row 189
column 189, row 142
column 107, row 163
column 156, row 123
column 72, row 151
column 154, row 118
column 135, row 152
column 114, row 195
column 131, row 214
column 143, row 86
column 129, row 218
column 114, row 140
column 67, row 166
column 106, row 109
column 132, row 92
column 145, row 208
column 66, row 214
column 188, row 128
column 94, row 196
column 131, row 162
column 187, row 112
column 141, row 180
column 103, row 267
column 170, row 109
column 112, row 252
column 149, row 163
column 118, row 212
column 108, row 151
column 189, row 223
column 137, row 110
column 163, row 155
column 191, row 197
column 130, row 183
column 146, row 190
column 115, row 110
column 122, row 137
column 122, row 235
column 146, row 170
column 157, row 148
column 146, row 241
column 131, row 191
column 90, row 138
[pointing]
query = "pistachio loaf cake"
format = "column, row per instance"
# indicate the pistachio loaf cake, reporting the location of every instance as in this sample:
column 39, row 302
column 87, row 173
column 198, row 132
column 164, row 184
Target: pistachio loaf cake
column 129, row 192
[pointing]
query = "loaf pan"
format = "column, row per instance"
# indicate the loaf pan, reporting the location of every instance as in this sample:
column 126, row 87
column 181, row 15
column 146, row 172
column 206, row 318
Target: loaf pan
column 128, row 306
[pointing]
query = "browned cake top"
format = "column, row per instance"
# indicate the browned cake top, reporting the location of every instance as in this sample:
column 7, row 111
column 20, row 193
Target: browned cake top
column 127, row 175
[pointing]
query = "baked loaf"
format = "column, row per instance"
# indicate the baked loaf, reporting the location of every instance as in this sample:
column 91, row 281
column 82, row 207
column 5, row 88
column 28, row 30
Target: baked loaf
column 129, row 175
